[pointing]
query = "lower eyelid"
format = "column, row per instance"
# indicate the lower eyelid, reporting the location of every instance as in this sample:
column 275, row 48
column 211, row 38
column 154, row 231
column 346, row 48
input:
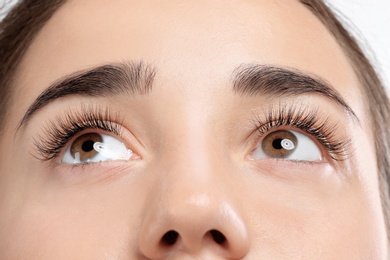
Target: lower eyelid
column 93, row 173
column 293, row 170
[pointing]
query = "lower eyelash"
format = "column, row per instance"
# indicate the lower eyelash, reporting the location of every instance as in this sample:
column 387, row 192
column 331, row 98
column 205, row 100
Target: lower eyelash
column 308, row 121
column 58, row 133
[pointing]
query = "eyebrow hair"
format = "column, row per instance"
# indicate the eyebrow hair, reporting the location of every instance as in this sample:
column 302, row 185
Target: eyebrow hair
column 256, row 79
column 137, row 78
column 134, row 78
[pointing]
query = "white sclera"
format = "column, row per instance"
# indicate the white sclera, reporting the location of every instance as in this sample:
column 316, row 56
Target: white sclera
column 306, row 149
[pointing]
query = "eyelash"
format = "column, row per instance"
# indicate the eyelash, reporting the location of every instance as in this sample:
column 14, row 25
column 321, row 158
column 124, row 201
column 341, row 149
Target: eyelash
column 309, row 122
column 57, row 135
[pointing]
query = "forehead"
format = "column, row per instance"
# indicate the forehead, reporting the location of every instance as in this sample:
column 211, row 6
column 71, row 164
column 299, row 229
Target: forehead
column 191, row 41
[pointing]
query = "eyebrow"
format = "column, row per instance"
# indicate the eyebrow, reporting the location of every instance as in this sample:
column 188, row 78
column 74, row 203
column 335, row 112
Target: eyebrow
column 255, row 79
column 121, row 78
column 136, row 78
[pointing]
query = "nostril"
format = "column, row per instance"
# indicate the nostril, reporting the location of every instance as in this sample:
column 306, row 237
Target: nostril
column 218, row 237
column 170, row 238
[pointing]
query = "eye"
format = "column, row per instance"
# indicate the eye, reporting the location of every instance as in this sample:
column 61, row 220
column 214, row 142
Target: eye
column 289, row 145
column 94, row 147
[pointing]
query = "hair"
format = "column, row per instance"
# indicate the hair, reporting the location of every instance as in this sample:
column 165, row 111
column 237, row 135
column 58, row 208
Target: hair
column 19, row 28
column 374, row 94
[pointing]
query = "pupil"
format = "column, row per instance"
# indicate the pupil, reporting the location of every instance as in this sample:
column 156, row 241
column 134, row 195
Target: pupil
column 277, row 144
column 87, row 146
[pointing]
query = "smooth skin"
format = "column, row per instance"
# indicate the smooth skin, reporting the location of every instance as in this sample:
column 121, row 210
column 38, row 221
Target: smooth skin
column 192, row 137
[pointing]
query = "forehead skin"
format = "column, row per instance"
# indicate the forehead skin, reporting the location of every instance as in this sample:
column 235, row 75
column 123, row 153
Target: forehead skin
column 196, row 45
column 187, row 33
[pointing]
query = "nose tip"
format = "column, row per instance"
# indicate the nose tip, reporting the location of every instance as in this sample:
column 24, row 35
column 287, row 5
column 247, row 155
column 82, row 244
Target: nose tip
column 194, row 227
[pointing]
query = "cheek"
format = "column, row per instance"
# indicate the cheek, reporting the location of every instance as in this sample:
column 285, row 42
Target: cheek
column 322, row 216
column 57, row 218
column 367, row 179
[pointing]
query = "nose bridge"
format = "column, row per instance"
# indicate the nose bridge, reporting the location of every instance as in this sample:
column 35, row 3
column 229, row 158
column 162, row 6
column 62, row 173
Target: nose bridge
column 193, row 180
column 191, row 206
column 192, row 156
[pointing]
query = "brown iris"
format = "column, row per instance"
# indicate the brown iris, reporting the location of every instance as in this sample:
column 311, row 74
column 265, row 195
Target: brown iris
column 279, row 144
column 84, row 146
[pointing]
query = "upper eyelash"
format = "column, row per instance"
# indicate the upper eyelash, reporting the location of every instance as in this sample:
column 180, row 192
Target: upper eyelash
column 56, row 135
column 308, row 121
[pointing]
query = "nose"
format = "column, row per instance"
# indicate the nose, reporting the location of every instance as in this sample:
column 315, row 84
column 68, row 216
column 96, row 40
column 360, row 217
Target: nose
column 190, row 215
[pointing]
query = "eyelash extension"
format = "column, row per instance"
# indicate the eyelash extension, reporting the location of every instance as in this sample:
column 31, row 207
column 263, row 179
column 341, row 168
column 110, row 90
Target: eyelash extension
column 58, row 133
column 309, row 122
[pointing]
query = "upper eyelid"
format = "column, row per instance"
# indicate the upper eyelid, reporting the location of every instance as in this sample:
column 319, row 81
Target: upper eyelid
column 50, row 149
column 255, row 79
column 110, row 79
column 71, row 123
column 107, row 115
column 339, row 145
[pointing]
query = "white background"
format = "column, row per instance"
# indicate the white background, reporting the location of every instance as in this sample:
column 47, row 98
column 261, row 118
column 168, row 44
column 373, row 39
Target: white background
column 371, row 21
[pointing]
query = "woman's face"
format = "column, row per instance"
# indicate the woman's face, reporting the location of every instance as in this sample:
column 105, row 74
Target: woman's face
column 218, row 129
